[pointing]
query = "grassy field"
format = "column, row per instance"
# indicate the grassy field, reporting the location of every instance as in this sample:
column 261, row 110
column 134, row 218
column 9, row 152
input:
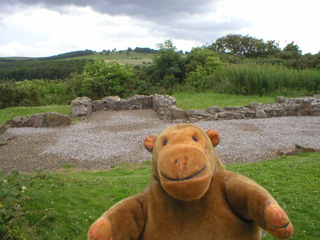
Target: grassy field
column 132, row 57
column 201, row 101
column 9, row 113
column 76, row 198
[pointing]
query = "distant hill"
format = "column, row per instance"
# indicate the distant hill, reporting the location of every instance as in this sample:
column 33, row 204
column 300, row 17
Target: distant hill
column 89, row 54
column 56, row 57
column 62, row 66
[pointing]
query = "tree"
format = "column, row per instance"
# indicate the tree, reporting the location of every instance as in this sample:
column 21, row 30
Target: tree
column 273, row 48
column 291, row 51
column 168, row 65
column 198, row 57
column 240, row 45
column 198, row 78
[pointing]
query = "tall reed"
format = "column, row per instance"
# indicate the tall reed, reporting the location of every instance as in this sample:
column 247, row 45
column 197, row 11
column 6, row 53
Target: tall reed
column 253, row 79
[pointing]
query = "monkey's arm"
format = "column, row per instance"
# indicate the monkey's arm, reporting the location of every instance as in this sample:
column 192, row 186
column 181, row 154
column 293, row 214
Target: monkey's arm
column 252, row 202
column 125, row 220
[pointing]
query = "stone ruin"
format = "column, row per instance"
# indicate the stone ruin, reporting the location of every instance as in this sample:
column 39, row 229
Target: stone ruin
column 165, row 107
column 49, row 119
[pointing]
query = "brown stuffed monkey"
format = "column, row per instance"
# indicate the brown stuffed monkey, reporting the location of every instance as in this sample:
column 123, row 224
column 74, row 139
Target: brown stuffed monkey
column 192, row 197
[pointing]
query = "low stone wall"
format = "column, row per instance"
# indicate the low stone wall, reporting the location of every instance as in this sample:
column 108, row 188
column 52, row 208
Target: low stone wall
column 308, row 106
column 167, row 110
column 116, row 103
column 49, row 119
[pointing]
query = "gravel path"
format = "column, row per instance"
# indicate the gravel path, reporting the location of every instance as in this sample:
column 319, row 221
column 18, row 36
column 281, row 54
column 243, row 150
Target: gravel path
column 109, row 138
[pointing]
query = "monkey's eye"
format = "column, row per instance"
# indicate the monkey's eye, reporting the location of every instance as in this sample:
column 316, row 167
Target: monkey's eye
column 195, row 139
column 165, row 142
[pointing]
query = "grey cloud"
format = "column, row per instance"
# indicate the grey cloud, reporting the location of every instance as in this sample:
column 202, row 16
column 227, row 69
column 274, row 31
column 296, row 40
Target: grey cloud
column 173, row 18
column 201, row 30
column 154, row 10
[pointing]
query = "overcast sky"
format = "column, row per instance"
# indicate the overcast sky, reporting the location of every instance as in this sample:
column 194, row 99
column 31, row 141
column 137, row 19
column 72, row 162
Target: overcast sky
column 38, row 28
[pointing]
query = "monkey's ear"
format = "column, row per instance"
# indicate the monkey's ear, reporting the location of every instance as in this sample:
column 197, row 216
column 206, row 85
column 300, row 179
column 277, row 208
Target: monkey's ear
column 214, row 136
column 149, row 142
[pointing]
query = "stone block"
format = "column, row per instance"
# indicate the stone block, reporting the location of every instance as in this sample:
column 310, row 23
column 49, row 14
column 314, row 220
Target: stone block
column 231, row 109
column 280, row 99
column 254, row 105
column 177, row 113
column 53, row 119
column 260, row 114
column 81, row 107
column 213, row 110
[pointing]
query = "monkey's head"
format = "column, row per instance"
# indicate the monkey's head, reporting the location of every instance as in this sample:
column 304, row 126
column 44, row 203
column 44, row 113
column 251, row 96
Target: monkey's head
column 184, row 160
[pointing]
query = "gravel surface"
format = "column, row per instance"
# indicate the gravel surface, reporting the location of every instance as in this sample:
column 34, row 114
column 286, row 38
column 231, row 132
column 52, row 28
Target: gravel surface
column 110, row 138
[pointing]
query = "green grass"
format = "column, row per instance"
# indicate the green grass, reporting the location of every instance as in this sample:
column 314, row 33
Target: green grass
column 82, row 196
column 78, row 198
column 295, row 182
column 9, row 113
column 201, row 101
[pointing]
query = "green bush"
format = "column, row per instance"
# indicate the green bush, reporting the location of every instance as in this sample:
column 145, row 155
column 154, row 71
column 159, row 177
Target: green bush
column 199, row 77
column 10, row 96
column 43, row 92
column 100, row 79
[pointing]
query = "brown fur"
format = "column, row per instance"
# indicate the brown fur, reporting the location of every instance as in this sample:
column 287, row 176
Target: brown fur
column 192, row 196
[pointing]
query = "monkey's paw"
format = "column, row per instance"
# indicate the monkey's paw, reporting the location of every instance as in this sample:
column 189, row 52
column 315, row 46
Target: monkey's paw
column 277, row 222
column 100, row 230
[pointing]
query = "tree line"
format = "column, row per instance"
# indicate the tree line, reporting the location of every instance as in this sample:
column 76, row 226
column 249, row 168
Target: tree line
column 38, row 69
column 247, row 66
column 254, row 48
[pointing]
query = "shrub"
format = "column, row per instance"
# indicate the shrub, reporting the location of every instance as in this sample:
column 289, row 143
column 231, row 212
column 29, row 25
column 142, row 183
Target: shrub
column 44, row 92
column 10, row 96
column 100, row 79
column 199, row 77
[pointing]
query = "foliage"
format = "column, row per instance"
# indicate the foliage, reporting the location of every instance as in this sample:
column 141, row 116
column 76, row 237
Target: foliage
column 245, row 46
column 100, row 79
column 250, row 47
column 198, row 57
column 37, row 69
column 10, row 96
column 80, row 197
column 9, row 113
column 168, row 68
column 198, row 78
column 145, row 50
column 35, row 93
column 42, row 92
column 13, row 199
column 291, row 51
column 263, row 79
column 234, row 64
